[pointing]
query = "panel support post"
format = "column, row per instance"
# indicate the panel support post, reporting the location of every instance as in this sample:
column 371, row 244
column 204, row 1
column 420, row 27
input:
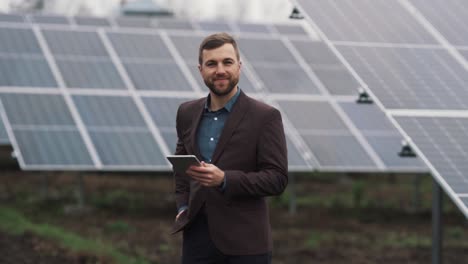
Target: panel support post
column 80, row 191
column 416, row 193
column 292, row 194
column 436, row 223
column 45, row 185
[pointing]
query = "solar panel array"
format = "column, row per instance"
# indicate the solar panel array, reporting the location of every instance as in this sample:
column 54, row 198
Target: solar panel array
column 102, row 94
column 412, row 56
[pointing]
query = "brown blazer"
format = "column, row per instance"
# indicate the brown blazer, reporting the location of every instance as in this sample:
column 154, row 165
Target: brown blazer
column 252, row 153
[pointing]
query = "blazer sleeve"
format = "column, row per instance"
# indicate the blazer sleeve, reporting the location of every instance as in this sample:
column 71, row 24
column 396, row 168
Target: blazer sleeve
column 182, row 184
column 271, row 178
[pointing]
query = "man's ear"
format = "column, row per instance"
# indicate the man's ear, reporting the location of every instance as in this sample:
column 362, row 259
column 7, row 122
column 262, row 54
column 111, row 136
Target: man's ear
column 199, row 67
column 240, row 64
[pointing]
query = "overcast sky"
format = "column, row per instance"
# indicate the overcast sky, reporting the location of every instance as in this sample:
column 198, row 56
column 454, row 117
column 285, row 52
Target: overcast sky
column 247, row 10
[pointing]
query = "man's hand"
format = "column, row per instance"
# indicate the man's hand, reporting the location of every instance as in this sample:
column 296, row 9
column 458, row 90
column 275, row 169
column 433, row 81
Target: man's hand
column 207, row 174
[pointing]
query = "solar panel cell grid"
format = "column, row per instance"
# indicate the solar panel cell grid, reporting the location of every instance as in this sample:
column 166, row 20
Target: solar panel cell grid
column 52, row 148
column 76, row 43
column 109, row 111
column 19, row 41
column 157, row 76
column 143, row 46
column 90, row 74
column 25, row 72
column 36, row 109
column 124, row 148
column 50, row 19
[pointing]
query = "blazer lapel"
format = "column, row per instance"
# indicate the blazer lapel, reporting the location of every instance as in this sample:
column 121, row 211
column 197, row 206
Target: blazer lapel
column 195, row 122
column 236, row 115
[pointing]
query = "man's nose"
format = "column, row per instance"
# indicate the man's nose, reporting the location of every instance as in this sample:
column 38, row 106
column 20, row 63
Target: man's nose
column 220, row 69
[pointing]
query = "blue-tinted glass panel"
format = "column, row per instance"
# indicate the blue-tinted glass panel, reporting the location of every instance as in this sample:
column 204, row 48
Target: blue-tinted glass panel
column 316, row 53
column 255, row 51
column 36, row 109
column 30, row 72
column 253, row 28
column 338, row 151
column 163, row 110
column 312, row 115
column 338, row 81
column 18, row 40
column 109, row 111
column 90, row 74
column 388, row 147
column 3, row 134
column 75, row 43
column 157, row 76
column 139, row 46
column 291, row 79
column 11, row 18
column 290, row 29
column 128, row 148
column 52, row 148
column 187, row 46
column 50, row 19
column 366, row 21
column 141, row 22
column 175, row 24
column 217, row 26
column 92, row 21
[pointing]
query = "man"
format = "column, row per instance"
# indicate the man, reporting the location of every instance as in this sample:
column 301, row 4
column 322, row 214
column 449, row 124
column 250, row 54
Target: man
column 241, row 143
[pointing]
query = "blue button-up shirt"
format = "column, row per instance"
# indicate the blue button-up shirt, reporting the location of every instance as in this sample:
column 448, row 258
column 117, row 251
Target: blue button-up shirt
column 211, row 126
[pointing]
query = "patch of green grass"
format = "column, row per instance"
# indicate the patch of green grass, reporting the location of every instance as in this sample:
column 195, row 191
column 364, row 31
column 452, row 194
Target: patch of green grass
column 118, row 227
column 316, row 239
column 406, row 240
column 120, row 200
column 13, row 222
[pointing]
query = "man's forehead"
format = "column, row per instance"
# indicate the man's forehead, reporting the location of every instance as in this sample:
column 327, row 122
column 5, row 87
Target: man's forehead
column 227, row 51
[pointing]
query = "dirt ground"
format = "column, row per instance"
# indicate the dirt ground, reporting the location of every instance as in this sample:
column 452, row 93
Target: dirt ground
column 144, row 206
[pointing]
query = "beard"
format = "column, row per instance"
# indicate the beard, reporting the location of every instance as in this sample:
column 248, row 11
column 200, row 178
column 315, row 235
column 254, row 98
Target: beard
column 222, row 92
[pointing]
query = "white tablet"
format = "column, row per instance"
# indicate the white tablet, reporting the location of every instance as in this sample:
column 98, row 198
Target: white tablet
column 180, row 163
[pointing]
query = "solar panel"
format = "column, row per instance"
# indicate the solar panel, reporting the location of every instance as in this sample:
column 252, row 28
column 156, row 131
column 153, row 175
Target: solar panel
column 19, row 40
column 326, row 135
column 45, row 132
column 449, row 17
column 216, row 26
column 157, row 76
column 253, row 28
column 3, row 133
column 26, row 72
column 92, row 74
column 131, row 22
column 174, row 24
column 411, row 78
column 120, row 89
column 50, row 19
column 11, row 18
column 444, row 143
column 143, row 46
column 92, row 21
column 415, row 72
column 285, row 29
column 362, row 21
column 382, row 136
column 74, row 43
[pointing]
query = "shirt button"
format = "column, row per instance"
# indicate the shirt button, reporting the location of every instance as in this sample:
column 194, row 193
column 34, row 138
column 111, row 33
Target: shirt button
column 211, row 139
column 215, row 118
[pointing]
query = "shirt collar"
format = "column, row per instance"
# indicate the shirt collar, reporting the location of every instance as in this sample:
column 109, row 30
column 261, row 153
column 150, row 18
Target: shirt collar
column 228, row 106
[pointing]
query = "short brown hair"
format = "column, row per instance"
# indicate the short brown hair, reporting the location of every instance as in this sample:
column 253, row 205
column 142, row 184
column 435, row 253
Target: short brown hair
column 215, row 41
